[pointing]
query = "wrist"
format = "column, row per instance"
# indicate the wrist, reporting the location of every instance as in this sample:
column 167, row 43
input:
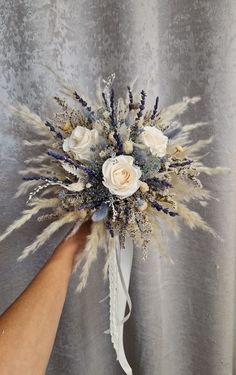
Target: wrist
column 67, row 251
column 65, row 256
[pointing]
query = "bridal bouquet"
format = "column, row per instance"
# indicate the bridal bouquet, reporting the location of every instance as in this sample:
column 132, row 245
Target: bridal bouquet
column 130, row 169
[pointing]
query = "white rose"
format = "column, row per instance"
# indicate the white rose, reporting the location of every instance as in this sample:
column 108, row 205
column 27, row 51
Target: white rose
column 155, row 140
column 80, row 141
column 120, row 176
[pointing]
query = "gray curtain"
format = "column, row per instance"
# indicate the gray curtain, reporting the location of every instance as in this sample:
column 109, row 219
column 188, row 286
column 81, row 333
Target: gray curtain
column 183, row 314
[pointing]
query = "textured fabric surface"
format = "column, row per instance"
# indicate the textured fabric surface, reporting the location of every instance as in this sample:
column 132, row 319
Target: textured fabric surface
column 183, row 314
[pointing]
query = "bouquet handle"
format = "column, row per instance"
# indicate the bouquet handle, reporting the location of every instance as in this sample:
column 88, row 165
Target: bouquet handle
column 119, row 277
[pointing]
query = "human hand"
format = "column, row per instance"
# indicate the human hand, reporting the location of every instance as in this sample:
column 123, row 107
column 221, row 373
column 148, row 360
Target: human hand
column 74, row 242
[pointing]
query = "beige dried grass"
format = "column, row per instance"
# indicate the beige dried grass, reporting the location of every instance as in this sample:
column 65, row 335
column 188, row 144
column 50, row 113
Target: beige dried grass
column 193, row 220
column 47, row 233
column 94, row 241
column 38, row 205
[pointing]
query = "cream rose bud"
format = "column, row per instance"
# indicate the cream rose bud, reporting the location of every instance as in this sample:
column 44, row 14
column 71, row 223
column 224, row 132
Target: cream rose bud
column 142, row 206
column 80, row 141
column 144, row 188
column 155, row 140
column 120, row 176
column 111, row 138
column 128, row 147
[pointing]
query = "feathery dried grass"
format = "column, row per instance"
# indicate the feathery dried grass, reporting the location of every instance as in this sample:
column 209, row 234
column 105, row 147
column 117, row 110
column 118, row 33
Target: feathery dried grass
column 47, row 233
column 71, row 169
column 36, row 143
column 24, row 188
column 168, row 114
column 38, row 171
column 98, row 95
column 109, row 247
column 212, row 171
column 188, row 128
column 183, row 138
column 38, row 205
column 191, row 151
column 47, row 190
column 23, row 112
column 67, row 89
column 74, row 229
column 194, row 220
column 38, row 159
column 159, row 239
column 95, row 241
column 186, row 191
column 170, row 223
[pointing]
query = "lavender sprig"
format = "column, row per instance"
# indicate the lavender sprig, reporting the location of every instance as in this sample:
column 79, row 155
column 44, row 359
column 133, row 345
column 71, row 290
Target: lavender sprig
column 42, row 178
column 154, row 112
column 142, row 105
column 158, row 207
column 161, row 184
column 105, row 101
column 53, row 130
column 114, row 122
column 112, row 105
column 131, row 99
column 61, row 157
column 109, row 227
column 83, row 103
column 181, row 164
column 118, row 142
column 126, row 212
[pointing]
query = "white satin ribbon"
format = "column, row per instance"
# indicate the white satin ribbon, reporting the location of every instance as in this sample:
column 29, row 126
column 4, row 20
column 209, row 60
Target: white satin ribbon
column 119, row 277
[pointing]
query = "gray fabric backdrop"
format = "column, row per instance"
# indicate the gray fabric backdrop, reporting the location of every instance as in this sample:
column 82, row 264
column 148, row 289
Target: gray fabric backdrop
column 183, row 315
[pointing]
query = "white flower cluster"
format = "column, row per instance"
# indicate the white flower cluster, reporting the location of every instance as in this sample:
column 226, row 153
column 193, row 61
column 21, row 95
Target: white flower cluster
column 120, row 175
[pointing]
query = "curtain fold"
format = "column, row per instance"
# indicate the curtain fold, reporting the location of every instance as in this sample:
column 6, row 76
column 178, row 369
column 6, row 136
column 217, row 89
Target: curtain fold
column 183, row 314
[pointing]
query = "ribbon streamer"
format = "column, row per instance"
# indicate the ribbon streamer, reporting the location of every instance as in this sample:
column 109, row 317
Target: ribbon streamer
column 119, row 277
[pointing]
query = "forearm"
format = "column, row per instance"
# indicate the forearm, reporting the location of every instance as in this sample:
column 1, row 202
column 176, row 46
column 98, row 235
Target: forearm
column 28, row 327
